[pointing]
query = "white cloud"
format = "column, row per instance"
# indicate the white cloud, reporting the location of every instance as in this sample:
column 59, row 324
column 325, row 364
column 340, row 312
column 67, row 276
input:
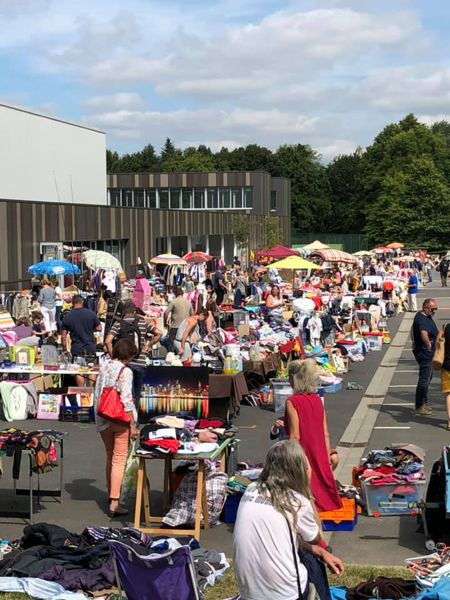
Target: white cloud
column 119, row 101
column 271, row 127
column 431, row 119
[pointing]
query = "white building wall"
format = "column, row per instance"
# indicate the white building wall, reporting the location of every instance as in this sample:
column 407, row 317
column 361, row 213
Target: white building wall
column 39, row 154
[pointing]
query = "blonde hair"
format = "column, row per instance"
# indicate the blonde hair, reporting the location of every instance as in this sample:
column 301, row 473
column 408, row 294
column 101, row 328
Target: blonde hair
column 303, row 375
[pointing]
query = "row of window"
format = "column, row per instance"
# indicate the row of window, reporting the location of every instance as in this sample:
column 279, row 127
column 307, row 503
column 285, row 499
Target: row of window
column 183, row 198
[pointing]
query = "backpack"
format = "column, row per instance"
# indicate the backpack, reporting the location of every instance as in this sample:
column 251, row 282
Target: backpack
column 444, row 265
column 327, row 323
column 130, row 331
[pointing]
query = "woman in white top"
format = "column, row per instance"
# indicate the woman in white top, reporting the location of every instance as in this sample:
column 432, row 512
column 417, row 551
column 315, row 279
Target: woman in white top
column 275, row 518
column 116, row 436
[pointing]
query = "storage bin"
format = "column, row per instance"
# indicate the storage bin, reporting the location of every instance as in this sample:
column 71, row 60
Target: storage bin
column 281, row 392
column 342, row 519
column 374, row 343
column 240, row 316
column 230, row 508
column 393, row 498
column 76, row 414
column 333, row 388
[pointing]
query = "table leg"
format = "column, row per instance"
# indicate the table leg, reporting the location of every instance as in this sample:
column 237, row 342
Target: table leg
column 146, row 495
column 204, row 500
column 166, row 488
column 31, row 491
column 138, row 504
column 199, row 498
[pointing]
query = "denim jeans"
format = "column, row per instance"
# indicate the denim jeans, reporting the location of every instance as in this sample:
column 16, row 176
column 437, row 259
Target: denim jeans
column 425, row 375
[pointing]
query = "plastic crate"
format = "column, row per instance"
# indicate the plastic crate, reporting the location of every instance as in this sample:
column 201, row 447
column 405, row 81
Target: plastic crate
column 342, row 519
column 76, row 414
column 333, row 388
column 230, row 508
column 393, row 498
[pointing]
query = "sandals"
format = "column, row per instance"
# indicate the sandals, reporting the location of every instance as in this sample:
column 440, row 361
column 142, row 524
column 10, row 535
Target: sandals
column 120, row 511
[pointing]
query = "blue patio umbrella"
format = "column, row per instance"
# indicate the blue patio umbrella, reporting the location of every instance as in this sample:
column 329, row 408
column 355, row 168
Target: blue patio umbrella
column 54, row 267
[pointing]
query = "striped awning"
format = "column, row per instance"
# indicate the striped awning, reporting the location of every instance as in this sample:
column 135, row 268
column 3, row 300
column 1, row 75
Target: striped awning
column 335, row 256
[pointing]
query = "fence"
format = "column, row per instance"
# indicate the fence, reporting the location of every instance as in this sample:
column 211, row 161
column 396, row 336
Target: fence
column 349, row 242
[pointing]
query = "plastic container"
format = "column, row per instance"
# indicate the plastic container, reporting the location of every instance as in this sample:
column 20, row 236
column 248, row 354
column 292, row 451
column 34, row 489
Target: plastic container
column 76, row 414
column 342, row 519
column 230, row 508
column 281, row 392
column 393, row 498
column 374, row 343
column 240, row 317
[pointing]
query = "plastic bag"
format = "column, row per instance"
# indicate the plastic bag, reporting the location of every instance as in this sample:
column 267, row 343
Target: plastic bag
column 129, row 482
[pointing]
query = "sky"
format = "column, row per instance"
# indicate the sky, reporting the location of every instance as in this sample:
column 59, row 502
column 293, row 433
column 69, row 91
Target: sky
column 328, row 73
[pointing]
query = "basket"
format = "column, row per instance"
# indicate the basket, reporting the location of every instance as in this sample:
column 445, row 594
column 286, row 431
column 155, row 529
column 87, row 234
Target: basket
column 76, row 414
column 342, row 519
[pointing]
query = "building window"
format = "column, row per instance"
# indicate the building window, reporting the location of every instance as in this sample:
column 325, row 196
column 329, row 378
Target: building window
column 273, row 200
column 114, row 197
column 224, row 198
column 151, row 198
column 127, row 198
column 237, row 197
column 175, row 198
column 199, row 198
column 186, row 198
column 212, row 198
column 248, row 196
column 139, row 198
column 161, row 246
column 163, row 198
column 198, row 243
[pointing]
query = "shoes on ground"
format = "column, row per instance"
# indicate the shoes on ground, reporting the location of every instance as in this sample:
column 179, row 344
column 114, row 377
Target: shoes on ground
column 423, row 411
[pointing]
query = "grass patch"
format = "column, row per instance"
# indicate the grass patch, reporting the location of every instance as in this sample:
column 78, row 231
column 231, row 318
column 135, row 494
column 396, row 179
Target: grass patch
column 227, row 588
column 354, row 574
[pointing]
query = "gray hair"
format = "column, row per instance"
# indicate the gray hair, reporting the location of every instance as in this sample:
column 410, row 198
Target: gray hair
column 285, row 473
column 303, row 375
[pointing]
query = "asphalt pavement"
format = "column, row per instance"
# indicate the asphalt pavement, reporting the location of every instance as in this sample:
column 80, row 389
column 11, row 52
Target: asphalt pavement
column 84, row 497
column 389, row 540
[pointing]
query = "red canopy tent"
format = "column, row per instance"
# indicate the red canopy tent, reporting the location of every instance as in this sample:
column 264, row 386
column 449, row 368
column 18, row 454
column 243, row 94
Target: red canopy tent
column 335, row 256
column 277, row 252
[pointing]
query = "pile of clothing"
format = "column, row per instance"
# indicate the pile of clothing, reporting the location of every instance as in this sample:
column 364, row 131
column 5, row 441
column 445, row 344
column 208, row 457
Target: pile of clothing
column 42, row 443
column 246, row 473
column 395, row 464
column 83, row 562
column 170, row 434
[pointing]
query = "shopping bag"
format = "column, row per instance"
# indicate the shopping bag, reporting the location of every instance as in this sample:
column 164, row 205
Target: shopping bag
column 130, row 475
column 439, row 352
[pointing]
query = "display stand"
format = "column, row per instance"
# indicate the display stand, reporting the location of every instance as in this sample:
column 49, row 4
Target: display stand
column 201, row 503
column 37, row 492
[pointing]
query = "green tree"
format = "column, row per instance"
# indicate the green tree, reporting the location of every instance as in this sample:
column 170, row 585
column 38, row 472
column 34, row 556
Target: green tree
column 272, row 232
column 170, row 157
column 149, row 159
column 112, row 161
column 344, row 182
column 413, row 206
column 310, row 203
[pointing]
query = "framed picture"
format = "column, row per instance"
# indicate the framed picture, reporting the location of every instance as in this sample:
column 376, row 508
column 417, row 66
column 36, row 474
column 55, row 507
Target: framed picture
column 48, row 406
column 79, row 397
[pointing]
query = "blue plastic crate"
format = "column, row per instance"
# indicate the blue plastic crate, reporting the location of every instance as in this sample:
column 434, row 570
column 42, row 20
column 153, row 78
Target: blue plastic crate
column 230, row 508
column 332, row 389
column 342, row 526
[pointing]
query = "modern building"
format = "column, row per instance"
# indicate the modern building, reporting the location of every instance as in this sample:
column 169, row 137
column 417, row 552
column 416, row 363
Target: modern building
column 56, row 200
column 195, row 211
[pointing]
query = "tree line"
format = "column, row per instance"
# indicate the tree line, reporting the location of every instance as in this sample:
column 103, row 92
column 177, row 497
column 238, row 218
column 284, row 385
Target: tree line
column 397, row 189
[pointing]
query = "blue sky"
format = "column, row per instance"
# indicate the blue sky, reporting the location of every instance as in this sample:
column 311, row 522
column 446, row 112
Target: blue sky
column 330, row 73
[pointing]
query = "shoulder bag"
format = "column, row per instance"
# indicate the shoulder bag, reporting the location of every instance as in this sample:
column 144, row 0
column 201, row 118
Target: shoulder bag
column 311, row 591
column 439, row 352
column 111, row 406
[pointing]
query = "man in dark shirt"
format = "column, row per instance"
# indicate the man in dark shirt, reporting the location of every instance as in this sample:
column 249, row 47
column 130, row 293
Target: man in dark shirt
column 80, row 324
column 219, row 285
column 424, row 333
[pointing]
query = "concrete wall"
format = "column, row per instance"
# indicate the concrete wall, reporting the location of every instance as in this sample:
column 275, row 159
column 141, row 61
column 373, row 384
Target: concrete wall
column 37, row 151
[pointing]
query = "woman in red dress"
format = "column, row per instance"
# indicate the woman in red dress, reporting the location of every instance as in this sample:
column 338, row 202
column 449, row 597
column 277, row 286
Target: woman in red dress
column 306, row 422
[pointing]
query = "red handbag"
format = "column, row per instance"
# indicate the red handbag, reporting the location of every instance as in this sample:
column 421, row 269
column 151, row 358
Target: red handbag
column 110, row 406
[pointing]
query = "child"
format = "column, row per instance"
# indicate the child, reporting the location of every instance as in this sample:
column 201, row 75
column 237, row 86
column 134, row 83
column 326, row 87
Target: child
column 277, row 431
column 37, row 319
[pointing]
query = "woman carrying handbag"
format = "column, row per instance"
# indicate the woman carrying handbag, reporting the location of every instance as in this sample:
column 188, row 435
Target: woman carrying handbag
column 116, row 418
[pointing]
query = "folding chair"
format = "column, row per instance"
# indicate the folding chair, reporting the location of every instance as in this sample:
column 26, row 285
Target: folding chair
column 145, row 577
